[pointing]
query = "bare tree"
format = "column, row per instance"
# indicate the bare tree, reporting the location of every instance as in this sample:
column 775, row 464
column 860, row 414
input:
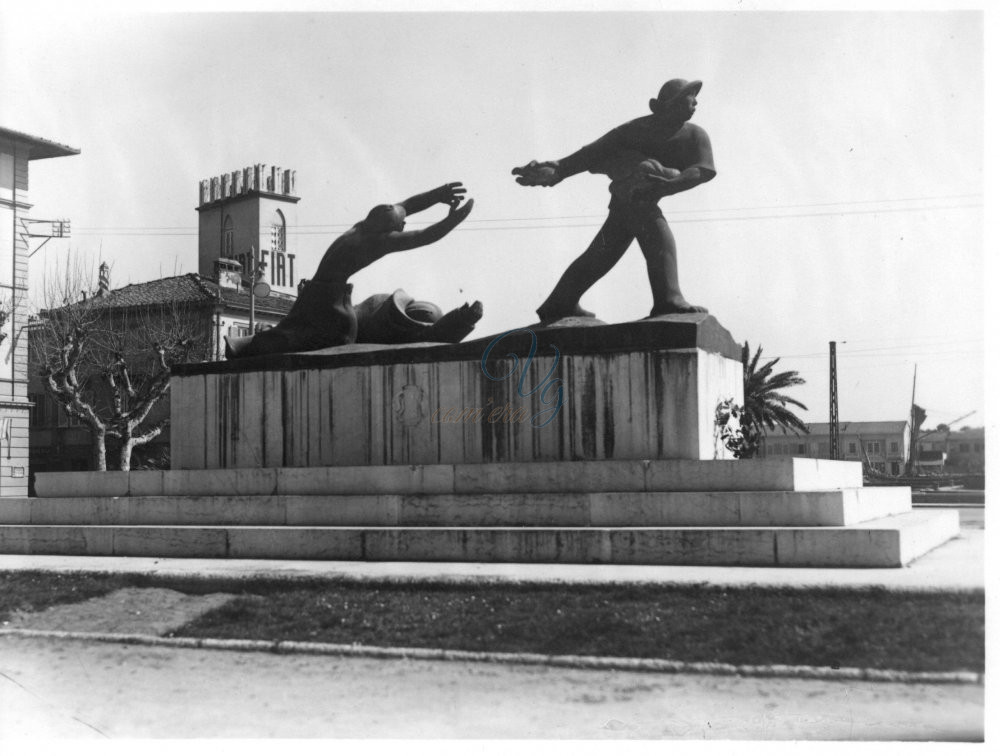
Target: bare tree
column 106, row 360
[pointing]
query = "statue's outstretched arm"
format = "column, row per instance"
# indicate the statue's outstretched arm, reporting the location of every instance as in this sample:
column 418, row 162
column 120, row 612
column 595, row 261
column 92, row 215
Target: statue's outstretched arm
column 450, row 194
column 399, row 241
column 551, row 172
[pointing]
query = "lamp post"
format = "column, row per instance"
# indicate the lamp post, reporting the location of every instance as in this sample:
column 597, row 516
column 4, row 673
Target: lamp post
column 258, row 288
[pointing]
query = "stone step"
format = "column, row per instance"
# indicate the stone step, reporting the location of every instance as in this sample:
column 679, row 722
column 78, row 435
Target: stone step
column 785, row 474
column 887, row 542
column 604, row 509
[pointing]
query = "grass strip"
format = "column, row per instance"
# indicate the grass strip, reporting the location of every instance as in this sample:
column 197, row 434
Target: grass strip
column 873, row 628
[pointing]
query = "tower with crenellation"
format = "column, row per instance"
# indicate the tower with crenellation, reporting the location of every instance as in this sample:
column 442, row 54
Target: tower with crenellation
column 245, row 216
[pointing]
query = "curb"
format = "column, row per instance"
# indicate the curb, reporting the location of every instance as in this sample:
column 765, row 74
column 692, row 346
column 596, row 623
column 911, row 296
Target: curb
column 516, row 581
column 497, row 657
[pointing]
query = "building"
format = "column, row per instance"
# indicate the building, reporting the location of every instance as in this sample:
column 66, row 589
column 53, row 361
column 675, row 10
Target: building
column 17, row 150
column 885, row 445
column 245, row 216
column 948, row 451
column 217, row 307
column 243, row 221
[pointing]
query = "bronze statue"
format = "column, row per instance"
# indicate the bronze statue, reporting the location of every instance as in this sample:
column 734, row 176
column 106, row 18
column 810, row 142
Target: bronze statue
column 398, row 318
column 646, row 159
column 323, row 315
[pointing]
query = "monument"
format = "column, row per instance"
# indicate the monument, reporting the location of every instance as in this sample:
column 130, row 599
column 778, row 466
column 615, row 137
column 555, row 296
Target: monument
column 571, row 441
column 647, row 159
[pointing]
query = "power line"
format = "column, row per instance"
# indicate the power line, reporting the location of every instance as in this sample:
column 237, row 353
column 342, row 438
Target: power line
column 678, row 221
column 953, row 357
column 907, row 339
column 872, row 351
column 675, row 221
column 921, row 359
column 189, row 230
column 579, row 217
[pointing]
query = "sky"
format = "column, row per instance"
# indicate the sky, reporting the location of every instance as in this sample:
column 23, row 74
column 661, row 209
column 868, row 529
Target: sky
column 848, row 206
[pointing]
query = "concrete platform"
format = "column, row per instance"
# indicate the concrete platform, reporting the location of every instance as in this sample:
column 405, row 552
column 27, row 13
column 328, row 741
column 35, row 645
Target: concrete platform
column 886, row 542
column 956, row 566
column 783, row 512
column 606, row 509
column 784, row 474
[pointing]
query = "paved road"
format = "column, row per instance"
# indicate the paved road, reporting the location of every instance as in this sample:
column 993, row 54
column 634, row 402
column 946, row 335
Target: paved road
column 93, row 690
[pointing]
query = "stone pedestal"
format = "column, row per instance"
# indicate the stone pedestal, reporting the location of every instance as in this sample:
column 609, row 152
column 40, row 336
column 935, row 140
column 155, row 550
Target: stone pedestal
column 781, row 513
column 591, row 445
column 643, row 390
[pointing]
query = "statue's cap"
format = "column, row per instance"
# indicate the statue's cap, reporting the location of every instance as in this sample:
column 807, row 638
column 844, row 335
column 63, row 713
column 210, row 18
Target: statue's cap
column 672, row 90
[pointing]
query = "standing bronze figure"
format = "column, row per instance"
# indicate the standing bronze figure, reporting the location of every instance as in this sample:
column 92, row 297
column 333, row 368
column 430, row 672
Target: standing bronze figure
column 646, row 159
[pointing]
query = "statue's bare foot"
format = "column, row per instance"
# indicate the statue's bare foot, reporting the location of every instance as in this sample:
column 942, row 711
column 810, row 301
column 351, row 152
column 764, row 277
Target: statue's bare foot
column 677, row 306
column 549, row 314
column 456, row 325
column 472, row 313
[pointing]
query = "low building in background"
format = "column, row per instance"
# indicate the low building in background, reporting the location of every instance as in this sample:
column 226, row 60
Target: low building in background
column 217, row 306
column 884, row 445
column 244, row 219
column 948, row 451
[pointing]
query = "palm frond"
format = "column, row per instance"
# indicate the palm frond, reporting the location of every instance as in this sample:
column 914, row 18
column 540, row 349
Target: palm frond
column 773, row 398
column 765, row 404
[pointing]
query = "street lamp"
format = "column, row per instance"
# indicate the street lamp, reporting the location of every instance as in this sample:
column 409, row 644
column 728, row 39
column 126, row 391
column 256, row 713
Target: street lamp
column 258, row 288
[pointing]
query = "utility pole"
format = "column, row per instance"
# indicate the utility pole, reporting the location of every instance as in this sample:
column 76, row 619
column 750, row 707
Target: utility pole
column 255, row 275
column 834, row 411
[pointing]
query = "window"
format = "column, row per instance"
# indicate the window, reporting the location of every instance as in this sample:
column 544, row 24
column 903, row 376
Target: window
column 6, row 174
column 278, row 232
column 977, row 447
column 852, row 448
column 963, row 447
column 39, row 413
column 237, row 329
column 228, row 245
column 894, row 447
column 800, row 449
column 874, row 447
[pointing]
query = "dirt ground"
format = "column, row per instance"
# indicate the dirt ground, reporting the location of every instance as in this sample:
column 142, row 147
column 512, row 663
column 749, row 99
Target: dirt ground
column 141, row 611
column 84, row 689
column 81, row 689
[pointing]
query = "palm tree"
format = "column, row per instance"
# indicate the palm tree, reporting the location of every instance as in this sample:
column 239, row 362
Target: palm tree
column 764, row 404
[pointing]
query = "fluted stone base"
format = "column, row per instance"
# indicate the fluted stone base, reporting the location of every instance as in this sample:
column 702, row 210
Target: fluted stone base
column 644, row 390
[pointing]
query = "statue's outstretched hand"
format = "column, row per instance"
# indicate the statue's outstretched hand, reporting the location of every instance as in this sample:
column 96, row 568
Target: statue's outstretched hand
column 450, row 194
column 538, row 174
column 459, row 213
